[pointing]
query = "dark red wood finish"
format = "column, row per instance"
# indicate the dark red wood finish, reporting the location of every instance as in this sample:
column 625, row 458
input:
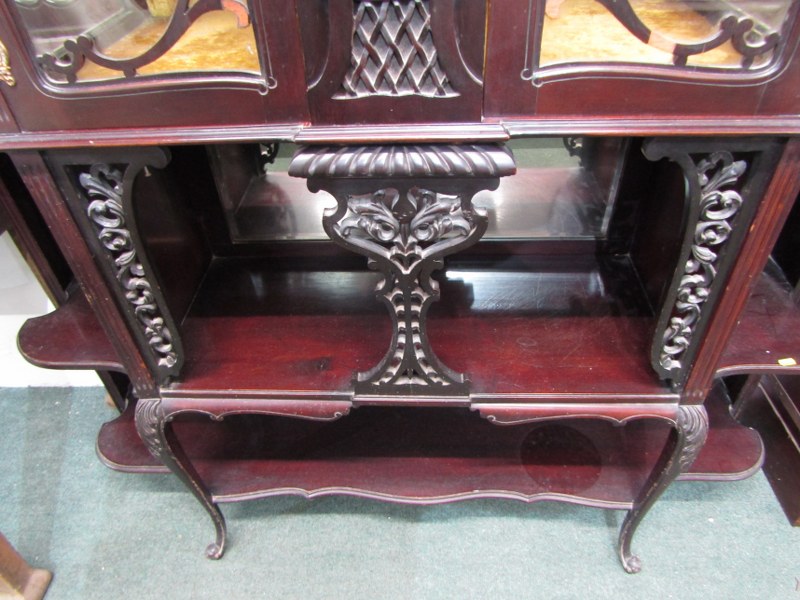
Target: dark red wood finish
column 429, row 455
column 319, row 328
column 623, row 91
column 763, row 233
column 191, row 100
column 543, row 330
column 69, row 338
column 457, row 34
column 8, row 123
column 771, row 405
column 763, row 341
column 51, row 204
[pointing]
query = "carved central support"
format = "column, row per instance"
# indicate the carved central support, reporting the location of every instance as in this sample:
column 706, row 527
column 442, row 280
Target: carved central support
column 405, row 209
column 405, row 231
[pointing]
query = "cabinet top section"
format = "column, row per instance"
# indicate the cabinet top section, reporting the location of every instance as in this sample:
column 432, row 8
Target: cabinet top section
column 110, row 72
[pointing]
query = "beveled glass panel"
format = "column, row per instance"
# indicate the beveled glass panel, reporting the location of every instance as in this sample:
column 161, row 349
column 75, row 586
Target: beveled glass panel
column 94, row 40
column 728, row 34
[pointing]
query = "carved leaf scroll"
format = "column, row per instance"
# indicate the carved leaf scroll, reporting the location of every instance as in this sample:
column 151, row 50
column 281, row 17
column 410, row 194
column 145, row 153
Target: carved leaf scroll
column 103, row 186
column 405, row 232
column 718, row 208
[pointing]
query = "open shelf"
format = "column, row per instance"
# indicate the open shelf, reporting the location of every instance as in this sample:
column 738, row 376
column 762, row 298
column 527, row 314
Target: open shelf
column 554, row 194
column 772, row 407
column 766, row 340
column 428, row 455
column 524, row 328
column 68, row 338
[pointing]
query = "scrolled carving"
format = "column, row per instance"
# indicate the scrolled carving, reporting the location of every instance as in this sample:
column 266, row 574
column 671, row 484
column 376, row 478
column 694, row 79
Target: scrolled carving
column 406, row 221
column 717, row 209
column 149, row 418
column 77, row 51
column 405, row 207
column 103, row 186
column 693, row 422
column 393, row 52
column 405, row 231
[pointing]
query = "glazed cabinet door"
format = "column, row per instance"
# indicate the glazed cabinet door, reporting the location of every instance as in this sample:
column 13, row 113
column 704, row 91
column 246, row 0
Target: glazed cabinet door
column 641, row 57
column 85, row 64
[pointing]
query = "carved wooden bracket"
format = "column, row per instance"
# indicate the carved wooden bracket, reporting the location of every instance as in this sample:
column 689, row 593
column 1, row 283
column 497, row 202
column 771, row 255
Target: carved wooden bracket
column 717, row 214
column 101, row 199
column 405, row 208
column 714, row 203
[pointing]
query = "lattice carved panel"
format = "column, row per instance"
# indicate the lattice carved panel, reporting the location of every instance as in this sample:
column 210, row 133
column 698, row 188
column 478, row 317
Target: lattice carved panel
column 393, row 52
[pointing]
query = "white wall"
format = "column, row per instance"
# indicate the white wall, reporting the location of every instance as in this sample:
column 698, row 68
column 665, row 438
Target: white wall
column 21, row 297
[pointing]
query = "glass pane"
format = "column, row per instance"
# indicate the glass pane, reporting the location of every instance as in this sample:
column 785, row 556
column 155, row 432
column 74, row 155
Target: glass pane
column 706, row 33
column 137, row 37
column 562, row 189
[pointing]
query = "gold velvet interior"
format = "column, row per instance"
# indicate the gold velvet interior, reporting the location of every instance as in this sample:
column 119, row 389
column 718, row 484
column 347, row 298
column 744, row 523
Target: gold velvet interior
column 212, row 43
column 584, row 31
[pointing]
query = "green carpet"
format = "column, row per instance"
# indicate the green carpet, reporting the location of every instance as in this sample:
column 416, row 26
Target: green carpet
column 110, row 535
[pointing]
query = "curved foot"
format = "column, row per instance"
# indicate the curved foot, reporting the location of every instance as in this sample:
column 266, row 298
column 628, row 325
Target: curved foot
column 215, row 551
column 631, row 563
column 152, row 424
column 685, row 441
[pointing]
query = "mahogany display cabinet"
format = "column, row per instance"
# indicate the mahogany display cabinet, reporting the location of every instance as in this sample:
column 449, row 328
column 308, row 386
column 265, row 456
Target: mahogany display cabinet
column 413, row 250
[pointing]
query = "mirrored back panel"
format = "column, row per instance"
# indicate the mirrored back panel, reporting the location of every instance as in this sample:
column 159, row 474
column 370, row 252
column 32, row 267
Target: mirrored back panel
column 564, row 188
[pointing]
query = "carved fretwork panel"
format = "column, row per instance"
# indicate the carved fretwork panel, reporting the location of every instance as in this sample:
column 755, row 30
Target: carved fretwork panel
column 405, row 231
column 101, row 200
column 102, row 186
column 414, row 60
column 718, row 213
column 393, row 52
column 405, row 221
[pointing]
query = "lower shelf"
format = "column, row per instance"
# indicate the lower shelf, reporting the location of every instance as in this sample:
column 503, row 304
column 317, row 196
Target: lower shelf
column 762, row 341
column 773, row 408
column 431, row 455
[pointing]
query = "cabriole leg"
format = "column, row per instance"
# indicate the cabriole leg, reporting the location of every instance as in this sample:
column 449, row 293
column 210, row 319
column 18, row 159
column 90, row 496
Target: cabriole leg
column 683, row 446
column 156, row 432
